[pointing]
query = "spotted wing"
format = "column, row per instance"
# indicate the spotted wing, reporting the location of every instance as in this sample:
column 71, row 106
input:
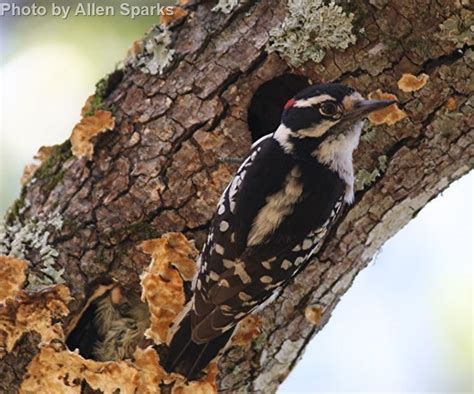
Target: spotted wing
column 240, row 268
column 227, row 239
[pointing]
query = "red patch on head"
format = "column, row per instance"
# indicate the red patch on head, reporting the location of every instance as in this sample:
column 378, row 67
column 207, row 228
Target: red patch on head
column 290, row 103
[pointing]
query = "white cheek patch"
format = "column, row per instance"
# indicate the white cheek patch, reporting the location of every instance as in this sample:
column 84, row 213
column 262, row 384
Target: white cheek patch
column 316, row 131
column 282, row 135
column 313, row 101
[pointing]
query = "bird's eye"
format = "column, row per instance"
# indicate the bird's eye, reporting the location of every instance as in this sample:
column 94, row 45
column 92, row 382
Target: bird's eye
column 329, row 108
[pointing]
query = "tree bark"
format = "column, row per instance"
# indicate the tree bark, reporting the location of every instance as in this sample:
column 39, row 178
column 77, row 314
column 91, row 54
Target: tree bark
column 165, row 163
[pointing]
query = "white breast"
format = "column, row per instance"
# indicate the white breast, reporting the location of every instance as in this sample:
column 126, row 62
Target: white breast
column 337, row 152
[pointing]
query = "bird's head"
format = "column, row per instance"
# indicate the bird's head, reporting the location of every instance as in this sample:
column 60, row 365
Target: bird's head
column 321, row 111
column 324, row 122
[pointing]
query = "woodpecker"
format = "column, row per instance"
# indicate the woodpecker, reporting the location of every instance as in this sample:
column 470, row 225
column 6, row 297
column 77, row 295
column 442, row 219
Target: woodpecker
column 271, row 218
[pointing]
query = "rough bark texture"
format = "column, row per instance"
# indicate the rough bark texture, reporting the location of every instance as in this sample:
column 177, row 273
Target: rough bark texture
column 164, row 165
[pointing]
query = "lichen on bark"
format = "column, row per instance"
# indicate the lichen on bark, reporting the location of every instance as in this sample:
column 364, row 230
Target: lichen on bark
column 311, row 28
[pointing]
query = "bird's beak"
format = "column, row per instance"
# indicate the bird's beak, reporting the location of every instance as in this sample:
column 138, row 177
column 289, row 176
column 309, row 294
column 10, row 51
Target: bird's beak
column 358, row 109
column 362, row 108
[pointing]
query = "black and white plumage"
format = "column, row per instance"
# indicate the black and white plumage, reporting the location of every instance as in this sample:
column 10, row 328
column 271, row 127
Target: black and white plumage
column 271, row 218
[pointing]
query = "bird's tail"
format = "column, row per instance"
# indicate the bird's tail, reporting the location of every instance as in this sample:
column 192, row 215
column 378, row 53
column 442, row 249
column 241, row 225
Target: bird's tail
column 189, row 358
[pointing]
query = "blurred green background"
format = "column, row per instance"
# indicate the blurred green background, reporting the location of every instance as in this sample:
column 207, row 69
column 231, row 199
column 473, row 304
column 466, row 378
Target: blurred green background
column 405, row 325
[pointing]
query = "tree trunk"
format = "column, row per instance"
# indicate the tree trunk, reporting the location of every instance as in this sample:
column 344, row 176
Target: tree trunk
column 182, row 107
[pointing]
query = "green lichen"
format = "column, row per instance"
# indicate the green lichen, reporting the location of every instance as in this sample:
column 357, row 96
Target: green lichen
column 311, row 28
column 366, row 178
column 226, row 6
column 52, row 274
column 368, row 132
column 458, row 29
column 4, row 238
column 155, row 54
column 19, row 239
column 260, row 341
column 383, row 160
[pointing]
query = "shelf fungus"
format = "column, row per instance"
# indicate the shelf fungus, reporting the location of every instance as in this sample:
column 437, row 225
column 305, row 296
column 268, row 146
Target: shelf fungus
column 87, row 129
column 313, row 314
column 178, row 13
column 24, row 311
column 41, row 156
column 451, row 104
column 173, row 263
column 248, row 330
column 412, row 83
column 12, row 277
column 57, row 369
column 33, row 311
column 389, row 115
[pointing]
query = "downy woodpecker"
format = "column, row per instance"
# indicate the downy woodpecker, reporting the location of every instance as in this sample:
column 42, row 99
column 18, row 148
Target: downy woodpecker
column 271, row 218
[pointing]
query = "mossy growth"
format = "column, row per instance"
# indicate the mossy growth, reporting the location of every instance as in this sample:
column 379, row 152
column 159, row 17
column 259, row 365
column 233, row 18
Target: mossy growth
column 311, row 28
column 103, row 88
column 96, row 103
column 15, row 210
column 50, row 171
column 59, row 154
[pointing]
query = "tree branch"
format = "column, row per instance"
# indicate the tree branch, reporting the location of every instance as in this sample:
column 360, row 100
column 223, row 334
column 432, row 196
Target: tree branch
column 165, row 162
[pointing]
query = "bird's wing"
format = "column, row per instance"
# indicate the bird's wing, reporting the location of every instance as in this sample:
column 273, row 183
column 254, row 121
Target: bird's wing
column 227, row 240
column 259, row 238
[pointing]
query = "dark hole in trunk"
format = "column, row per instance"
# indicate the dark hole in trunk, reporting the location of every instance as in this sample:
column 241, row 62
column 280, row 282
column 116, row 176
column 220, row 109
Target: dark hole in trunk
column 110, row 329
column 264, row 113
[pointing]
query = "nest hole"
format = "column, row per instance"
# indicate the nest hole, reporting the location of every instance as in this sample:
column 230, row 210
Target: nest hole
column 111, row 326
column 266, row 107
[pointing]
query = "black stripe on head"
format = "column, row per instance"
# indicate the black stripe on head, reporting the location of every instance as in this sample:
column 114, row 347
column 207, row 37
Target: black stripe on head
column 302, row 113
column 297, row 118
